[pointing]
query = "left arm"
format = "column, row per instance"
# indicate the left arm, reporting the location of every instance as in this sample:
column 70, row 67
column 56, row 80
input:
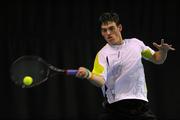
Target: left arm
column 160, row 56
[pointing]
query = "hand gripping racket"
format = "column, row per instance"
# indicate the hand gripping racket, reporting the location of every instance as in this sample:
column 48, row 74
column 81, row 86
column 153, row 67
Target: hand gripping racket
column 30, row 71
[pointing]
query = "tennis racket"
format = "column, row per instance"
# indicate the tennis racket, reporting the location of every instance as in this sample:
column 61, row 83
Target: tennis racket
column 37, row 70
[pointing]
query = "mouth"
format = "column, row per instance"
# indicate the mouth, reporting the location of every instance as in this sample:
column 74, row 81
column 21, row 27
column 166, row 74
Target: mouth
column 110, row 38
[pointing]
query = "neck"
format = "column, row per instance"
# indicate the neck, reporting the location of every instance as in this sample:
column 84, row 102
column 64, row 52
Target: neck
column 118, row 43
column 120, row 40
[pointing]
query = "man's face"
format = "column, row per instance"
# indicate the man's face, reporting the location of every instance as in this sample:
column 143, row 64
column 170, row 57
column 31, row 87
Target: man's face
column 111, row 32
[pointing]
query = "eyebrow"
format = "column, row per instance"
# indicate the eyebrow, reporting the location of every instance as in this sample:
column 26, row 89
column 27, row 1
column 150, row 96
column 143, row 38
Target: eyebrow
column 108, row 26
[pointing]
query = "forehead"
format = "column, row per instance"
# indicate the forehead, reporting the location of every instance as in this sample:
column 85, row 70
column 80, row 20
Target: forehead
column 108, row 24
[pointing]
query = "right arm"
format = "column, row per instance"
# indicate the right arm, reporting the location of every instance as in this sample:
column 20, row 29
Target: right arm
column 95, row 79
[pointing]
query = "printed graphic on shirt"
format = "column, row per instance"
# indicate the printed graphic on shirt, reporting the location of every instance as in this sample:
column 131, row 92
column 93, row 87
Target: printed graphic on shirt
column 98, row 68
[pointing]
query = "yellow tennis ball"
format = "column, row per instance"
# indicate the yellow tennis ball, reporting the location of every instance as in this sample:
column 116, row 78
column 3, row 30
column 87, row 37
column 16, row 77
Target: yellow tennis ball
column 27, row 80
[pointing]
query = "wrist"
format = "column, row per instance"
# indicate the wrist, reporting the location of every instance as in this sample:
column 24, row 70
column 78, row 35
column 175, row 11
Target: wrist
column 88, row 74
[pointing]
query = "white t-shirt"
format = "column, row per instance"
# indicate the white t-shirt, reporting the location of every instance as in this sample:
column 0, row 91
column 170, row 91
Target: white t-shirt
column 122, row 69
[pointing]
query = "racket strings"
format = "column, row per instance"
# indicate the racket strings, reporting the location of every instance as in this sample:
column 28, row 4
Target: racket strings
column 29, row 66
column 36, row 68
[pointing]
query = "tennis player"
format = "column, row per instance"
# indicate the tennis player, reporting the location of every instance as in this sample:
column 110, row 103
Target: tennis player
column 119, row 71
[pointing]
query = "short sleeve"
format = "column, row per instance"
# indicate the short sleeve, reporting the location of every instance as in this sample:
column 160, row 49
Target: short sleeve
column 146, row 52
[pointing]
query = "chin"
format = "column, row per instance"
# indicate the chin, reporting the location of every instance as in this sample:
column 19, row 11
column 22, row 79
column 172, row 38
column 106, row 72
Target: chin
column 112, row 43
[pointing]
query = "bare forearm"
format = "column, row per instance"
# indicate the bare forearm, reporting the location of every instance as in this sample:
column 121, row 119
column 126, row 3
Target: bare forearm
column 96, row 80
column 159, row 57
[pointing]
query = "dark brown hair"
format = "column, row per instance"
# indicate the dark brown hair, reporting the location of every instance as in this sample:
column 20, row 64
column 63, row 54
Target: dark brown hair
column 109, row 17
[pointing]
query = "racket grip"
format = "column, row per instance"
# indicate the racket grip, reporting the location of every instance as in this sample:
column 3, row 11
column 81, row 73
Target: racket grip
column 71, row 72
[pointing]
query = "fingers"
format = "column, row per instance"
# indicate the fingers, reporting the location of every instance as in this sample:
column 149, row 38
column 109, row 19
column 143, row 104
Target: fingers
column 162, row 41
column 156, row 45
column 163, row 45
column 171, row 48
column 82, row 73
column 167, row 45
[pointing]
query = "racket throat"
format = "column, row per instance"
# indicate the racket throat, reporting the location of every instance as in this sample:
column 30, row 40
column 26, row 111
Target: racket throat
column 56, row 69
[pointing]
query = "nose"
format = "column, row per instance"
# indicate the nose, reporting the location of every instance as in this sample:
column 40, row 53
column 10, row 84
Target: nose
column 108, row 32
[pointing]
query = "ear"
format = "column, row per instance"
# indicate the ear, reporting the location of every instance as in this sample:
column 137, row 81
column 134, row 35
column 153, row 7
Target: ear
column 120, row 27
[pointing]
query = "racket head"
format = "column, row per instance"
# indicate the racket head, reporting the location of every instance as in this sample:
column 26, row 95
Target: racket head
column 32, row 66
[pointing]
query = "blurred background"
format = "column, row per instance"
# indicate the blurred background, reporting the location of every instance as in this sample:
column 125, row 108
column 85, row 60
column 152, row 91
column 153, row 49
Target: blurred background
column 66, row 34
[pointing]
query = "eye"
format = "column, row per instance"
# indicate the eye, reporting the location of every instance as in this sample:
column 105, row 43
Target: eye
column 103, row 30
column 112, row 28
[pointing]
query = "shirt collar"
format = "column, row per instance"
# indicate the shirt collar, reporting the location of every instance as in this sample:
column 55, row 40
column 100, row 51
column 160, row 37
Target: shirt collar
column 118, row 46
